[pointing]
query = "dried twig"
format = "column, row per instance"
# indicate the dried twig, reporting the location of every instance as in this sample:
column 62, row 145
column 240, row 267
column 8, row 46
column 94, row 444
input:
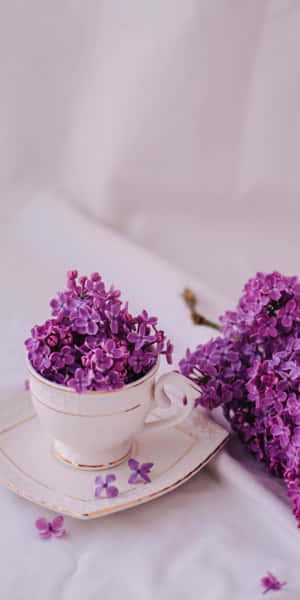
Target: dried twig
column 191, row 301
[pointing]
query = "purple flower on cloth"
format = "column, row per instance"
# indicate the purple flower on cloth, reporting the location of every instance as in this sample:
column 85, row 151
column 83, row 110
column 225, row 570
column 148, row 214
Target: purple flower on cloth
column 139, row 470
column 252, row 370
column 289, row 313
column 46, row 529
column 270, row 582
column 281, row 431
column 104, row 485
column 188, row 363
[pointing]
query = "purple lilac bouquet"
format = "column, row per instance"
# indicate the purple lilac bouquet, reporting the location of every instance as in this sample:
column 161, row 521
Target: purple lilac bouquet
column 93, row 342
column 253, row 372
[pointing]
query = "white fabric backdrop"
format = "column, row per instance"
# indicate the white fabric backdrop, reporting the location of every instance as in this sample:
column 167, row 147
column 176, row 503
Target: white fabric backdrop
column 176, row 122
column 215, row 536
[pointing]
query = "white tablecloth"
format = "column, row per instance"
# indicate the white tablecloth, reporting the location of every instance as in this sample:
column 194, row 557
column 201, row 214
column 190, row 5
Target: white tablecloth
column 212, row 538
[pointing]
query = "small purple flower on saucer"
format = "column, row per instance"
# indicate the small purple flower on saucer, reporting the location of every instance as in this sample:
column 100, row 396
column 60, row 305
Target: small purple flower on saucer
column 139, row 470
column 104, row 485
column 26, row 384
column 270, row 582
column 46, row 529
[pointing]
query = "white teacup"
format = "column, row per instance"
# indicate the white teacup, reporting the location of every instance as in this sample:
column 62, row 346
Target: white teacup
column 95, row 430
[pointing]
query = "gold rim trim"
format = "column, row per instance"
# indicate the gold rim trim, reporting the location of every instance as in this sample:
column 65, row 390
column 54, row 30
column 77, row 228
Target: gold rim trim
column 64, row 388
column 17, row 424
column 195, row 440
column 37, row 480
column 109, row 509
column 81, row 466
column 63, row 412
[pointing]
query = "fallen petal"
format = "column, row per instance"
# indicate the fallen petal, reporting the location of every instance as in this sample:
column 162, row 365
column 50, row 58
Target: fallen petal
column 133, row 464
column 99, row 480
column 59, row 533
column 44, row 535
column 112, row 491
column 110, row 478
column 98, row 492
column 57, row 523
column 146, row 467
column 42, row 525
column 133, row 477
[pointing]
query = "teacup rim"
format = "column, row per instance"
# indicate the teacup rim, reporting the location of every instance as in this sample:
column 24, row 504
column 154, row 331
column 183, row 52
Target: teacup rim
column 64, row 388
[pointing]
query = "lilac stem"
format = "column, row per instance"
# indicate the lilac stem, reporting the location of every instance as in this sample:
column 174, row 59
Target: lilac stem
column 191, row 301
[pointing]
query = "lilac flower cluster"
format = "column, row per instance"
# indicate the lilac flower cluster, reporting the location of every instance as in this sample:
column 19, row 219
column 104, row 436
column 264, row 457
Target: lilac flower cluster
column 93, row 342
column 253, row 372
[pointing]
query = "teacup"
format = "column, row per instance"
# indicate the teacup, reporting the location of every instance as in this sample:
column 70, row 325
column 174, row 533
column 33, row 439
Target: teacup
column 96, row 430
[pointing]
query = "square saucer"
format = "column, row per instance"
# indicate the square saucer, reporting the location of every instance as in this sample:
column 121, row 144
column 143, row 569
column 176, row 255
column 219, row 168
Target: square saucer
column 29, row 467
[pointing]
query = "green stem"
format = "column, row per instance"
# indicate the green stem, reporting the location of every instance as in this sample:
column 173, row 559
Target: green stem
column 191, row 301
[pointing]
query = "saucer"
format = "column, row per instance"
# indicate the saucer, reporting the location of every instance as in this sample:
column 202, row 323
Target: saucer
column 29, row 468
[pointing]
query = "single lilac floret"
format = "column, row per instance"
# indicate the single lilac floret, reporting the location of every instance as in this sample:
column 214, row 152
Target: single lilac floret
column 104, row 486
column 140, row 470
column 47, row 529
column 270, row 582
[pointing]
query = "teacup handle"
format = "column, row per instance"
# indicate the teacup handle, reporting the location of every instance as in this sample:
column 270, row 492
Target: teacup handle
column 189, row 390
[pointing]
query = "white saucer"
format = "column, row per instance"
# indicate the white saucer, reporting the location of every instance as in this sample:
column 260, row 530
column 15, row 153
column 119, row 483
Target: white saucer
column 29, row 468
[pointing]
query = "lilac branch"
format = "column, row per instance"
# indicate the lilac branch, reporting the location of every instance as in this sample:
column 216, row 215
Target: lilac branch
column 198, row 319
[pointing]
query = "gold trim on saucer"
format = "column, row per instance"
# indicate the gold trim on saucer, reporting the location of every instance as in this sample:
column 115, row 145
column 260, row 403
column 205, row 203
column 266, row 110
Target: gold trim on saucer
column 120, row 506
column 181, row 429
column 140, row 500
column 80, row 466
column 18, row 423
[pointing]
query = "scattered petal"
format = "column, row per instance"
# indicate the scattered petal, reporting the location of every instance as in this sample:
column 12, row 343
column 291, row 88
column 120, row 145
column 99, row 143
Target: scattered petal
column 104, row 486
column 42, row 524
column 133, row 464
column 98, row 492
column 99, row 480
column 57, row 523
column 270, row 582
column 140, row 470
column 46, row 529
column 112, row 491
column 133, row 478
